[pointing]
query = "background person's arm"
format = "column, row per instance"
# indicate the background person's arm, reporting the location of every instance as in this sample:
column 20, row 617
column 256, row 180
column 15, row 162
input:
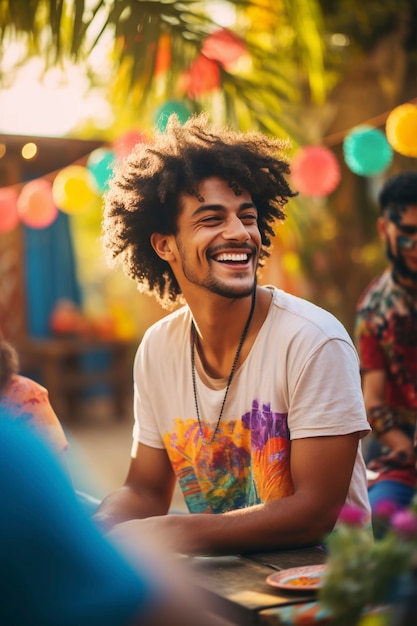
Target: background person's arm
column 147, row 490
column 373, row 387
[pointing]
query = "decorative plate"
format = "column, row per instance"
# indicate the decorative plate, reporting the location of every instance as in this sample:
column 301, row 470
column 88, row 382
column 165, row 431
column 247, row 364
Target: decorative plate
column 305, row 578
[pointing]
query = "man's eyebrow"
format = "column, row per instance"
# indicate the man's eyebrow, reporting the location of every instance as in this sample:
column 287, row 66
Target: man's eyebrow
column 220, row 207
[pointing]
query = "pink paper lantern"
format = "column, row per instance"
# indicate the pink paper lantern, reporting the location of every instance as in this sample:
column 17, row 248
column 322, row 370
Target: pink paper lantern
column 202, row 77
column 224, row 47
column 315, row 171
column 35, row 204
column 9, row 217
column 123, row 146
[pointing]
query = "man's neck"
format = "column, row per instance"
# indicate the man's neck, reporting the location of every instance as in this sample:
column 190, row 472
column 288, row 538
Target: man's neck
column 219, row 331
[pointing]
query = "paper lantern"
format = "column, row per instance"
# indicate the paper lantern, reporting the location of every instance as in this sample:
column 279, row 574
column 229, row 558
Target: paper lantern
column 224, row 47
column 74, row 189
column 169, row 108
column 123, row 146
column 100, row 164
column 401, row 129
column 202, row 77
column 315, row 171
column 9, row 217
column 367, row 151
column 35, row 204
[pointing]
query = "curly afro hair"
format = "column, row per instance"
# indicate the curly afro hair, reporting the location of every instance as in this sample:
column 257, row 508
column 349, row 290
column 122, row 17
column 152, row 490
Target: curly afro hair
column 143, row 196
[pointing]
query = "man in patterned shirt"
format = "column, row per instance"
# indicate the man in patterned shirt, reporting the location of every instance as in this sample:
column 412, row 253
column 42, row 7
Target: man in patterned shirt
column 386, row 336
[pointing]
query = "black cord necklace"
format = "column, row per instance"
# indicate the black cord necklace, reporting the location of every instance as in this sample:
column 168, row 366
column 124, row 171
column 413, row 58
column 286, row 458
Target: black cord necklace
column 232, row 371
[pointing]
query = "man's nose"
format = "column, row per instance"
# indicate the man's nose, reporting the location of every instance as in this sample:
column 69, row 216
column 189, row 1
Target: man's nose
column 235, row 229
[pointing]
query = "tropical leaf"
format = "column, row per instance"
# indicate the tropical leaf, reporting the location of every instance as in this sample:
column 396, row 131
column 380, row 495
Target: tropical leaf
column 59, row 30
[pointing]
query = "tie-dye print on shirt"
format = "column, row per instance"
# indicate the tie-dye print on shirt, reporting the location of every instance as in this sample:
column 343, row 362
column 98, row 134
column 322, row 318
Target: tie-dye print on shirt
column 246, row 464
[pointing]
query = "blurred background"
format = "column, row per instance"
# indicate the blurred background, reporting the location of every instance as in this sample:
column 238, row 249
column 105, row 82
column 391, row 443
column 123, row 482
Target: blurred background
column 82, row 81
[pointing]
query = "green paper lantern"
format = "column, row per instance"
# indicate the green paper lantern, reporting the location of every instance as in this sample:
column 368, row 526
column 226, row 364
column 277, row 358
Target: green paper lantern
column 367, row 151
column 169, row 108
column 100, row 163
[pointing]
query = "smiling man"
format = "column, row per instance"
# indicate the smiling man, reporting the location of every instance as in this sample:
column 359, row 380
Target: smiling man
column 247, row 396
column 386, row 334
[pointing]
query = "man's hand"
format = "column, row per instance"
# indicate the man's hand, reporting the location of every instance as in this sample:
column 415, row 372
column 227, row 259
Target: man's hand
column 398, row 443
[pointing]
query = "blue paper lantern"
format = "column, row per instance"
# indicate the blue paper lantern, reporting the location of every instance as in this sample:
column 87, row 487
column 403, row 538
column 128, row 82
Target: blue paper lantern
column 367, row 151
column 168, row 108
column 100, row 164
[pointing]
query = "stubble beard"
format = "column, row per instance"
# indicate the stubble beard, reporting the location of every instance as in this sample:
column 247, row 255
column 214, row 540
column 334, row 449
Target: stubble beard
column 213, row 284
column 218, row 287
column 399, row 264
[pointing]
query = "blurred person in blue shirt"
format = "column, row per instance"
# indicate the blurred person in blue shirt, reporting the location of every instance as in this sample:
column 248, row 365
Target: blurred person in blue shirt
column 57, row 569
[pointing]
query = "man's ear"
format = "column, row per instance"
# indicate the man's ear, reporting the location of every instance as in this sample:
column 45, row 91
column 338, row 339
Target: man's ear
column 162, row 244
column 381, row 225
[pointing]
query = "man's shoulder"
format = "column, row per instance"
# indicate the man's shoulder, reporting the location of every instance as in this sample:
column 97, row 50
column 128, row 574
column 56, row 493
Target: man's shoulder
column 379, row 294
column 304, row 316
column 171, row 324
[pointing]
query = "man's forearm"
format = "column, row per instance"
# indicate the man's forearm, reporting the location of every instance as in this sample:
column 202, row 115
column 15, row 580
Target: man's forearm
column 279, row 524
column 125, row 504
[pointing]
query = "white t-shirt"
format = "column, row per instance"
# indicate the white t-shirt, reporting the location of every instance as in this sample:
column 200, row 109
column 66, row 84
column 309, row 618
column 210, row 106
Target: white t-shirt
column 300, row 379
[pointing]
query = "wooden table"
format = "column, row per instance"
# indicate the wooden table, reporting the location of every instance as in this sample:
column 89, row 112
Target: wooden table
column 237, row 586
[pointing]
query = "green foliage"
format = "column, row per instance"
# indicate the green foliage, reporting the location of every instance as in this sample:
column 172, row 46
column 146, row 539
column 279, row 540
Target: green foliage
column 363, row 572
column 63, row 30
column 293, row 61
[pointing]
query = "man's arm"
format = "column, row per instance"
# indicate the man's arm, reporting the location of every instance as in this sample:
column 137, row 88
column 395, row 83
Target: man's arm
column 321, row 468
column 373, row 386
column 147, row 490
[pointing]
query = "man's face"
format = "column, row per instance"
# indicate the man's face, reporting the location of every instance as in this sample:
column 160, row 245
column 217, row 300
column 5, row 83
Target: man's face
column 399, row 230
column 218, row 239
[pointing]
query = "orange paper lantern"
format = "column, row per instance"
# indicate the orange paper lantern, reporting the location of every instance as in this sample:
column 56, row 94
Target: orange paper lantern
column 163, row 55
column 401, row 129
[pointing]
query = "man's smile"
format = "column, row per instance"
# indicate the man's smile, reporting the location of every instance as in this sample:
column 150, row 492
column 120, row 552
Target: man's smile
column 228, row 257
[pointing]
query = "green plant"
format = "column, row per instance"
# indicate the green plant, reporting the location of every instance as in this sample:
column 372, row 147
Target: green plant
column 363, row 571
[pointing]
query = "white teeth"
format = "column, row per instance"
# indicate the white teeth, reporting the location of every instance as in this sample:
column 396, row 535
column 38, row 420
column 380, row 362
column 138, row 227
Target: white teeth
column 232, row 257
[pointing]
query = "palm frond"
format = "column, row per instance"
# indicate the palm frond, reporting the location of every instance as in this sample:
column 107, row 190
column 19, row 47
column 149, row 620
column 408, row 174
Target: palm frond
column 59, row 30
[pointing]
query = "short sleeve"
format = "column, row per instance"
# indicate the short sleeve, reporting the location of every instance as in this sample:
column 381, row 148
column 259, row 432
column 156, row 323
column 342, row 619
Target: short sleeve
column 327, row 399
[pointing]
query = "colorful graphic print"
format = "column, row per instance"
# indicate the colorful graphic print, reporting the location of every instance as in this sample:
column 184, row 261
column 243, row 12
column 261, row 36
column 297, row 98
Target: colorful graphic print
column 247, row 463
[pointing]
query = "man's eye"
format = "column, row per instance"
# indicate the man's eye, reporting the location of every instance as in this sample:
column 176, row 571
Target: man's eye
column 211, row 219
column 407, row 230
column 250, row 218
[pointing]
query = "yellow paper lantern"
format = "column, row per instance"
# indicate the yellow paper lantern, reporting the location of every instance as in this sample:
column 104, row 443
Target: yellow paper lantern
column 401, row 129
column 74, row 189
